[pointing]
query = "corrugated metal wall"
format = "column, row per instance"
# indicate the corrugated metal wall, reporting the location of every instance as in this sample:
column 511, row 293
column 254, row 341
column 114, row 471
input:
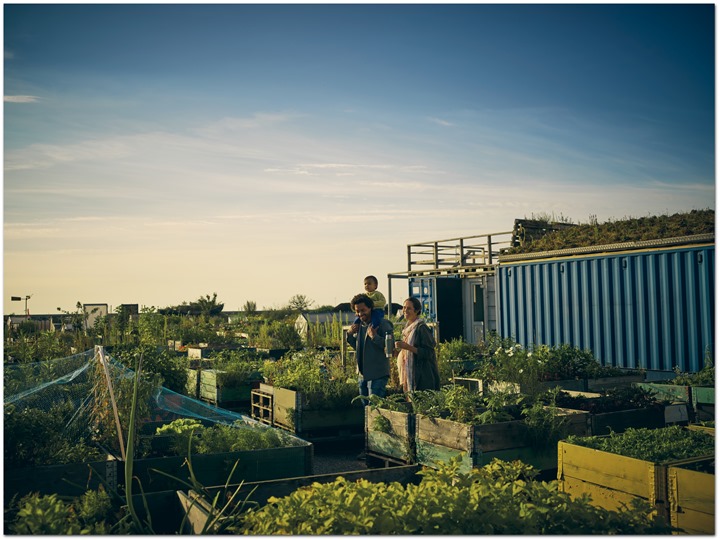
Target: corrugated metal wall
column 650, row 309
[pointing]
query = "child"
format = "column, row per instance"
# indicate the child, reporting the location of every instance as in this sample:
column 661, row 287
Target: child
column 378, row 299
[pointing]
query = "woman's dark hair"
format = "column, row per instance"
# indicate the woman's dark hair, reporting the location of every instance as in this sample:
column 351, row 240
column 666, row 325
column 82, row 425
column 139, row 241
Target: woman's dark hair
column 417, row 306
column 361, row 299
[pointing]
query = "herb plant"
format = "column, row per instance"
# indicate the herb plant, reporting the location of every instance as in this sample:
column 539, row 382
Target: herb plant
column 500, row 498
column 655, row 445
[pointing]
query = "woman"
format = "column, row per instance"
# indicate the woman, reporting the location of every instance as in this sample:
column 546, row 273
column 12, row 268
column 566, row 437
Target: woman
column 417, row 363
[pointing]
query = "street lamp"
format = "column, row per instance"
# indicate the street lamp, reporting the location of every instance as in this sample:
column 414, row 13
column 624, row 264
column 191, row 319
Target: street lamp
column 19, row 299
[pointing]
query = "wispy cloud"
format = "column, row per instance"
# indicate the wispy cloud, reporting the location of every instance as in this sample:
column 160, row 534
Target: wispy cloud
column 20, row 99
column 441, row 122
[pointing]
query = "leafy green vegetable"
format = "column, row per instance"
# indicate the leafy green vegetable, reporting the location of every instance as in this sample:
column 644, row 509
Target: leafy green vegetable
column 500, row 498
column 656, row 445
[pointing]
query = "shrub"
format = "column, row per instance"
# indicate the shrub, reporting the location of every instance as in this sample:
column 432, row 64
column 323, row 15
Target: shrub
column 500, row 498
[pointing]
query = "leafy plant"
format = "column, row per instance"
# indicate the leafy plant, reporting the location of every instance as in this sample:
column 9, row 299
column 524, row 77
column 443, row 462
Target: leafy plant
column 704, row 377
column 35, row 437
column 48, row 514
column 610, row 400
column 500, row 498
column 320, row 375
column 190, row 436
column 656, row 445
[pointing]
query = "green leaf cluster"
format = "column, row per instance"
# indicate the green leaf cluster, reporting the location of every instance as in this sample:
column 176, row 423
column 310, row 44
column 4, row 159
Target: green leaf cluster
column 38, row 514
column 236, row 367
column 320, row 375
column 189, row 433
column 500, row 498
column 620, row 398
column 35, row 437
column 156, row 360
column 655, row 445
column 704, row 377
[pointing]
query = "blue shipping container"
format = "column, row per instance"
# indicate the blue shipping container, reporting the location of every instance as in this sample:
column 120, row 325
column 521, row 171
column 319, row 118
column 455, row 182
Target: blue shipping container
column 651, row 309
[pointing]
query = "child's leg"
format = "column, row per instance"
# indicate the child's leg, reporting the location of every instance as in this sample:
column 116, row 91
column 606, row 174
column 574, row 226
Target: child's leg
column 376, row 316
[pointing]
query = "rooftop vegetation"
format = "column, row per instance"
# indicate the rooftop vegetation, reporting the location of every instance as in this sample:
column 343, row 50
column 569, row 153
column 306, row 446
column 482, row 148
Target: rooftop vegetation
column 616, row 231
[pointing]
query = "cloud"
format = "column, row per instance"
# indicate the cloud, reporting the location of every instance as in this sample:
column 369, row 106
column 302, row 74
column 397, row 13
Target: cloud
column 441, row 122
column 20, row 99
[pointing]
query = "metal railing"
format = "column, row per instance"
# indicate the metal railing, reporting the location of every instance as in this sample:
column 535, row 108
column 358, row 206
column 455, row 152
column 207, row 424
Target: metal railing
column 453, row 253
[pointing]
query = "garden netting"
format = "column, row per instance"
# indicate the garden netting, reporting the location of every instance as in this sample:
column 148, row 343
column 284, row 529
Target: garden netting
column 73, row 393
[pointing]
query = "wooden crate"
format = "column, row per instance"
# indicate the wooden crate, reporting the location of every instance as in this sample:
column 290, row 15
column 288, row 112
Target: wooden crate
column 612, row 479
column 398, row 442
column 483, row 385
column 674, row 393
column 619, row 421
column 213, row 391
column 70, row 479
column 438, row 439
column 605, row 383
column 293, row 411
column 691, row 495
column 261, row 406
column 216, row 469
column 192, row 385
column 703, row 402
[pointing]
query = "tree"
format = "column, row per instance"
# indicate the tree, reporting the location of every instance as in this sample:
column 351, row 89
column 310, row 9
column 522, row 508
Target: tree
column 250, row 307
column 300, row 302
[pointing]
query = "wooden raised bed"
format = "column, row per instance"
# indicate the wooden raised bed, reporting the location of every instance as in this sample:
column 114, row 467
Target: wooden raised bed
column 673, row 393
column 438, row 439
column 294, row 412
column 192, row 385
column 605, row 383
column 215, row 469
column 71, row 479
column 484, row 385
column 703, row 402
column 619, row 421
column 691, row 495
column 217, row 393
column 397, row 442
column 613, row 479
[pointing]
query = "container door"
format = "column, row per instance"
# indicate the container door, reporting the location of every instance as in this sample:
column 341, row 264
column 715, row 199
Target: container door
column 424, row 290
column 476, row 305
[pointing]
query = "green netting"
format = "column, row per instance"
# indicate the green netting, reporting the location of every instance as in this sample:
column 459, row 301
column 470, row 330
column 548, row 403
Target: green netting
column 72, row 395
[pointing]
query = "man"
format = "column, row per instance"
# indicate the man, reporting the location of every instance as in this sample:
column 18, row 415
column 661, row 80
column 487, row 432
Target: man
column 369, row 344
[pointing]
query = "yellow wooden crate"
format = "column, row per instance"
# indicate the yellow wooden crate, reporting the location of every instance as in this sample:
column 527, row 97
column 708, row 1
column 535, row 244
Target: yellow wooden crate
column 610, row 479
column 691, row 495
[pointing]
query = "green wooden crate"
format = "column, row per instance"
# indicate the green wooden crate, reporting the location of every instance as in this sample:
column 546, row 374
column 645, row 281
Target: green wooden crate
column 397, row 440
column 295, row 412
column 619, row 421
column 667, row 392
column 702, row 396
column 605, row 383
column 214, row 391
column 71, row 479
column 192, row 385
column 216, row 469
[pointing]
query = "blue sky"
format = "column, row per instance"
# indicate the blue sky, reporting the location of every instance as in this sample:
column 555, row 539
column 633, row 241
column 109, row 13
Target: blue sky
column 154, row 154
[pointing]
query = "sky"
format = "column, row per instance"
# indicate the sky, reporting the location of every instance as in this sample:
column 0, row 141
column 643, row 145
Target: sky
column 154, row 154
